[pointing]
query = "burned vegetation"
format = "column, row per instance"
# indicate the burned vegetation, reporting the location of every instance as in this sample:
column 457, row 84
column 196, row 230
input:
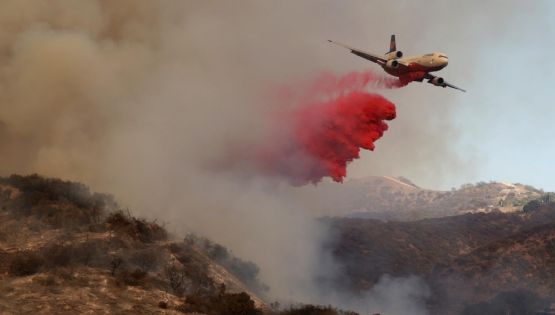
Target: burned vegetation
column 471, row 262
column 58, row 236
column 66, row 250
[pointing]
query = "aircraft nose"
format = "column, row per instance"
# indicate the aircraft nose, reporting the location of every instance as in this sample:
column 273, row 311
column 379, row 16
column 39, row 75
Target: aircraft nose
column 444, row 61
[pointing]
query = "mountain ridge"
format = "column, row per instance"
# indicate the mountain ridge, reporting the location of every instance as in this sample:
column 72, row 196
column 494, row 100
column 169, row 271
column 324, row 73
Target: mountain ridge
column 465, row 259
column 397, row 198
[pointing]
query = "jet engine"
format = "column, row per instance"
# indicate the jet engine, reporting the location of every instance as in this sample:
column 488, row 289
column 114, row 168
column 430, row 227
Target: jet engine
column 394, row 55
column 392, row 64
column 437, row 81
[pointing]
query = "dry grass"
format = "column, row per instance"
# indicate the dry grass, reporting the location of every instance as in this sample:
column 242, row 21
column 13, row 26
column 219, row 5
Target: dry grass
column 66, row 250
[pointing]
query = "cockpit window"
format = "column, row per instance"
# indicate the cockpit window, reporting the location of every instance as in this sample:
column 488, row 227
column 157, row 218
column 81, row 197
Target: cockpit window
column 443, row 56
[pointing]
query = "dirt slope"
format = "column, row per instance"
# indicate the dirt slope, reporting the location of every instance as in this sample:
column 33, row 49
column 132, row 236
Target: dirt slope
column 64, row 250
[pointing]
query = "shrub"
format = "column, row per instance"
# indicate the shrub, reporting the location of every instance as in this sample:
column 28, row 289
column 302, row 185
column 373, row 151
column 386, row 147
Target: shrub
column 59, row 203
column 47, row 281
column 25, row 264
column 146, row 259
column 90, row 252
column 314, row 310
column 176, row 277
column 220, row 304
column 163, row 305
column 132, row 277
column 115, row 264
column 532, row 206
column 149, row 231
column 196, row 272
column 245, row 271
column 57, row 255
column 63, row 255
column 522, row 302
column 137, row 229
column 236, row 304
column 37, row 189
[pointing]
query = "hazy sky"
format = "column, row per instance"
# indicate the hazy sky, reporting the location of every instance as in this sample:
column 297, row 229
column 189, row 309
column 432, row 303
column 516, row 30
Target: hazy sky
column 500, row 52
column 212, row 58
column 508, row 114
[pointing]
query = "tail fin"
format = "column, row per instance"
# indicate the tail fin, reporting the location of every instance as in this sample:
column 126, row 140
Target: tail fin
column 392, row 45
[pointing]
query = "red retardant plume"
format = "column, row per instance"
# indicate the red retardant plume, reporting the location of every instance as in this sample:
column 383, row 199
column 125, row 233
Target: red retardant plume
column 333, row 133
column 328, row 121
column 325, row 136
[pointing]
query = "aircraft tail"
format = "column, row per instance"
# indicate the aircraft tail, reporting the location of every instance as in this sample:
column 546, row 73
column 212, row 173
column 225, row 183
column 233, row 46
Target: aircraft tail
column 392, row 45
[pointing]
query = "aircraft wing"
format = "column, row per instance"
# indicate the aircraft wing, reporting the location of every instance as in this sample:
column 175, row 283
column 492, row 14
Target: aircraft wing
column 445, row 83
column 366, row 55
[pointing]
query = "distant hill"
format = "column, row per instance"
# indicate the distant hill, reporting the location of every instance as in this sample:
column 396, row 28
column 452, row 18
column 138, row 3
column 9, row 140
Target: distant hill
column 391, row 198
column 465, row 259
column 523, row 261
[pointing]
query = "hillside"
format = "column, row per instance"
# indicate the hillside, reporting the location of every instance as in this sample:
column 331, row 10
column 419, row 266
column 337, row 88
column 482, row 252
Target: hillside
column 65, row 250
column 465, row 259
column 392, row 198
column 524, row 261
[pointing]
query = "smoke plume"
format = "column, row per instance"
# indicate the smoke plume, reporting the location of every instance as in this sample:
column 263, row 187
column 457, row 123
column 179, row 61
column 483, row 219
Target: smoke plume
column 133, row 97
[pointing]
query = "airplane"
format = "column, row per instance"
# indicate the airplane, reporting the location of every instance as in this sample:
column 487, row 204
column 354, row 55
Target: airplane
column 407, row 69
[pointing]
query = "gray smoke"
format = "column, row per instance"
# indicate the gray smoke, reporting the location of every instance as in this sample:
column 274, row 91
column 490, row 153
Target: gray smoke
column 139, row 98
